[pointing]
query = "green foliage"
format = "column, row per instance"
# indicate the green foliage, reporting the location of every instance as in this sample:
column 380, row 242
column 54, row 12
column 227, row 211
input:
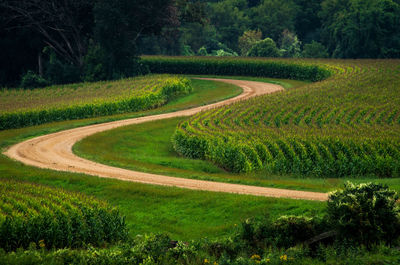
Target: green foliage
column 366, row 213
column 290, row 45
column 225, row 53
column 192, row 253
column 126, row 21
column 264, row 48
column 150, row 92
column 58, row 71
column 314, row 50
column 361, row 28
column 196, row 35
column 304, row 131
column 255, row 236
column 32, row 80
column 54, row 219
column 94, row 67
column 202, row 51
column 187, row 51
column 230, row 20
column 272, row 17
column 247, row 40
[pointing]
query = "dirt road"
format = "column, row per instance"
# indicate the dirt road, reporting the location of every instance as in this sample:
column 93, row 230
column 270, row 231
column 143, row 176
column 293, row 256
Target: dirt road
column 54, row 151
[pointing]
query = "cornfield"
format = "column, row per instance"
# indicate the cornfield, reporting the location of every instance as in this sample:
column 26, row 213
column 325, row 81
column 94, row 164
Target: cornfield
column 21, row 108
column 346, row 125
column 54, row 218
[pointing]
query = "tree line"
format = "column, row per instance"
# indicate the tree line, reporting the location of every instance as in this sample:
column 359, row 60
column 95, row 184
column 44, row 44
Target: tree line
column 63, row 41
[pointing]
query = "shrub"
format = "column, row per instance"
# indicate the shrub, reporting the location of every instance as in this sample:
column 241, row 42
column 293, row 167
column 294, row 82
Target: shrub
column 33, row 80
column 187, row 50
column 202, row 51
column 264, row 48
column 284, row 232
column 222, row 52
column 365, row 213
column 292, row 230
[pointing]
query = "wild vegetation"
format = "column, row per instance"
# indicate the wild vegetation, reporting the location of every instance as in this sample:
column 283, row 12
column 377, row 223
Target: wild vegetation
column 53, row 218
column 347, row 125
column 26, row 107
column 284, row 240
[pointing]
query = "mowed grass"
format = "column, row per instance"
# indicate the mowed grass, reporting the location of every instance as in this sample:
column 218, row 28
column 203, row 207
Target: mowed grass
column 147, row 147
column 183, row 214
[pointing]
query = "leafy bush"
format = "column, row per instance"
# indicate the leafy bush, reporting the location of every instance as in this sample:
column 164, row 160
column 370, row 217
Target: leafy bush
column 202, row 51
column 33, row 80
column 365, row 213
column 54, row 219
column 284, row 232
column 222, row 52
column 187, row 50
column 264, row 48
column 126, row 254
column 247, row 40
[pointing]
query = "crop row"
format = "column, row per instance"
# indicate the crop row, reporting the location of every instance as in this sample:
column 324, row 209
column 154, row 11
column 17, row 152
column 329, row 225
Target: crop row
column 151, row 92
column 347, row 125
column 299, row 70
column 54, row 218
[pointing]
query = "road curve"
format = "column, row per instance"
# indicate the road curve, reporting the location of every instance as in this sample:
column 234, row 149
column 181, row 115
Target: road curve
column 54, row 151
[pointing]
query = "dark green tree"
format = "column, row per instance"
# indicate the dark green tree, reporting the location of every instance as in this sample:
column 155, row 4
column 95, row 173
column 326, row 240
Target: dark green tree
column 314, row 50
column 264, row 48
column 119, row 25
column 63, row 25
column 230, row 20
column 272, row 17
column 361, row 28
column 307, row 22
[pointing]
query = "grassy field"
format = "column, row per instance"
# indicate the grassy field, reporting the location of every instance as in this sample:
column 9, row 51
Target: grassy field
column 347, row 125
column 181, row 213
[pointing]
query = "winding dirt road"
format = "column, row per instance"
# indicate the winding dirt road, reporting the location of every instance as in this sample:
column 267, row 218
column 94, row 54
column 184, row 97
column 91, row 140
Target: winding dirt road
column 54, row 151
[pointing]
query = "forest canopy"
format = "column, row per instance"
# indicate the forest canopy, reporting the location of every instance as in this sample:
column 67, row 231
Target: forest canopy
column 63, row 41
